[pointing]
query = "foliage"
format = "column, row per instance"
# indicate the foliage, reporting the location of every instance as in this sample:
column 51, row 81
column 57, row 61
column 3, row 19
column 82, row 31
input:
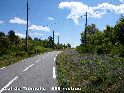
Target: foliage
column 2, row 34
column 109, row 41
column 39, row 49
column 14, row 47
column 92, row 73
column 98, row 66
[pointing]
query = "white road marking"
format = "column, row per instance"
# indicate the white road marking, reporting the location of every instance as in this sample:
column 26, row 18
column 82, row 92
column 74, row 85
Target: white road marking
column 43, row 57
column 2, row 68
column 54, row 59
column 54, row 72
column 37, row 60
column 5, row 87
column 28, row 67
column 28, row 58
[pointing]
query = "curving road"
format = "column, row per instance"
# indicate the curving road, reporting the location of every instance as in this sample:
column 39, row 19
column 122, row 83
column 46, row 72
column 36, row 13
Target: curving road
column 33, row 75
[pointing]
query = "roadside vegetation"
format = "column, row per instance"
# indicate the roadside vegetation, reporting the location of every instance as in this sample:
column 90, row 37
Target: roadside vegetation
column 92, row 73
column 108, row 41
column 13, row 49
column 98, row 66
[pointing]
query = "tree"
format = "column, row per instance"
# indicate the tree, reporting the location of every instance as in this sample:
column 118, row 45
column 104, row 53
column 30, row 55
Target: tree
column 29, row 38
column 59, row 46
column 2, row 34
column 68, row 45
column 12, row 36
column 119, row 32
column 50, row 42
column 91, row 30
column 82, row 39
column 45, row 42
column 36, row 39
column 4, row 45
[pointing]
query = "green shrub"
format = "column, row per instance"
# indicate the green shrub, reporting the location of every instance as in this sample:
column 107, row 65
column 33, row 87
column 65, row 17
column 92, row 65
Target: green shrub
column 79, row 49
column 118, row 50
column 100, row 50
column 31, row 53
column 39, row 49
column 92, row 73
column 48, row 49
column 20, row 54
column 85, row 49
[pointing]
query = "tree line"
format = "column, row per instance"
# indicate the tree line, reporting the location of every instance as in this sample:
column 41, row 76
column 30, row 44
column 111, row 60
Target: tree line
column 108, row 41
column 12, row 44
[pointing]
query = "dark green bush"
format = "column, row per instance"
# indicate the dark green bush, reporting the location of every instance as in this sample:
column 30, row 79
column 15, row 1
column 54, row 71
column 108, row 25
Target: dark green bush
column 20, row 54
column 100, row 50
column 85, row 49
column 117, row 50
column 48, row 49
column 39, row 49
column 30, row 53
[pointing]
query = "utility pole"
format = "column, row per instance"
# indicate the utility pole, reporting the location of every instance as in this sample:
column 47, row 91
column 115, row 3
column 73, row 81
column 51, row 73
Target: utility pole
column 27, row 29
column 58, row 39
column 85, row 42
column 53, row 39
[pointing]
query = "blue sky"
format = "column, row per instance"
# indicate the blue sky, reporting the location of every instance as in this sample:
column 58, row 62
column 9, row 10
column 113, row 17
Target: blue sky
column 47, row 12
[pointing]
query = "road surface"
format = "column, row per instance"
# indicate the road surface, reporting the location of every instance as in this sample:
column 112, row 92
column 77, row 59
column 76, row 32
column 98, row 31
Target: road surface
column 33, row 75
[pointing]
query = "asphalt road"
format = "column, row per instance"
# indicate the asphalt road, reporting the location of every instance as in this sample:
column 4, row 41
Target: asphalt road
column 33, row 75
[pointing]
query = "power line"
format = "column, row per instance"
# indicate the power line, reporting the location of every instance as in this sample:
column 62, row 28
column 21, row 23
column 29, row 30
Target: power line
column 59, row 22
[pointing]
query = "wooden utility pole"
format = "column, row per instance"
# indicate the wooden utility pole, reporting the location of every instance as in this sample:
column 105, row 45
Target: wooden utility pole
column 85, row 42
column 27, row 29
column 58, row 39
column 53, row 39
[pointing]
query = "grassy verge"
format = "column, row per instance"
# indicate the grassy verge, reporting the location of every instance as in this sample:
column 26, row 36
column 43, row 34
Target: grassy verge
column 7, row 60
column 91, row 73
column 11, row 60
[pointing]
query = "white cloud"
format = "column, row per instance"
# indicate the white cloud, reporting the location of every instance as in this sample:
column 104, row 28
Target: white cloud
column 79, row 9
column 17, row 20
column 50, row 18
column 121, row 1
column 30, row 34
column 56, row 33
column 36, row 34
column 20, row 35
column 39, row 28
column 1, row 22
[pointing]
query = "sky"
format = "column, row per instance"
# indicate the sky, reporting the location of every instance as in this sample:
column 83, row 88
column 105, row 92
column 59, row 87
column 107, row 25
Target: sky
column 62, row 16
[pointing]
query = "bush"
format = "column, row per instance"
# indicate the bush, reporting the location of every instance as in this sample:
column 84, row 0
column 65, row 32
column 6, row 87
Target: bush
column 122, row 54
column 100, row 50
column 20, row 54
column 92, row 73
column 86, row 49
column 117, row 50
column 30, row 53
column 79, row 49
column 48, row 49
column 39, row 49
